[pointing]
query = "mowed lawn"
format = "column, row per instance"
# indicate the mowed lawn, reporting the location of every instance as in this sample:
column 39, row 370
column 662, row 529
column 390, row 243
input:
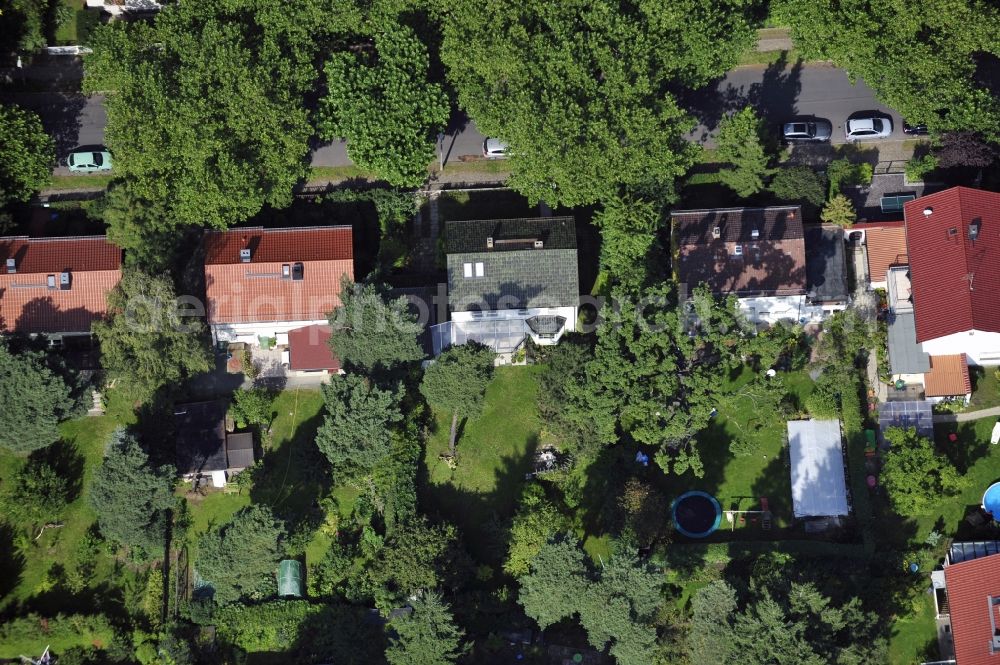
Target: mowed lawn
column 738, row 481
column 82, row 446
column 494, row 453
column 291, row 479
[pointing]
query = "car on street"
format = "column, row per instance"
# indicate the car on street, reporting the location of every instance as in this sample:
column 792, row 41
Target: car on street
column 919, row 129
column 89, row 161
column 867, row 127
column 494, row 149
column 813, row 130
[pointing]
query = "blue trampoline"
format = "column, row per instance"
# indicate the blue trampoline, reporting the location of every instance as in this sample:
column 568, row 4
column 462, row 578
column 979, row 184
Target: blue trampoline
column 696, row 514
column 991, row 500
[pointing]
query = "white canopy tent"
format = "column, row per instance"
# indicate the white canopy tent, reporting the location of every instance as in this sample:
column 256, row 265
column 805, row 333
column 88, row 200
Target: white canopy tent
column 819, row 486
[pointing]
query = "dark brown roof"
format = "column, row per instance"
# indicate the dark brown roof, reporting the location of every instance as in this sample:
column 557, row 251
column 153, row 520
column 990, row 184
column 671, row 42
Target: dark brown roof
column 309, row 349
column 770, row 262
column 239, row 450
column 28, row 305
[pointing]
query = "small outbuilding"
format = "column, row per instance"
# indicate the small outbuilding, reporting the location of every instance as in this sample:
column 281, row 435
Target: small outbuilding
column 819, row 483
column 290, row 579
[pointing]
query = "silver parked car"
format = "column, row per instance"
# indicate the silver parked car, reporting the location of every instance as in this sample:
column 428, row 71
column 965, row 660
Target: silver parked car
column 813, row 130
column 494, row 149
column 858, row 129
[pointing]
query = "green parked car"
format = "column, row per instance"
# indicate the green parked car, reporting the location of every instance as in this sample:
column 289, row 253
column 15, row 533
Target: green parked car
column 87, row 161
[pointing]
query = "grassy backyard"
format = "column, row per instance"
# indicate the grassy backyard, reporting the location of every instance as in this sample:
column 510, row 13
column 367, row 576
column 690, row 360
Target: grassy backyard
column 494, row 453
column 28, row 580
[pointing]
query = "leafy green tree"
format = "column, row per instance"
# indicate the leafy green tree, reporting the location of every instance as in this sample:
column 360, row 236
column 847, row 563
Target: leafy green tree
column 37, row 494
column 381, row 101
column 783, row 626
column 915, row 476
column 457, row 382
column 132, row 499
column 252, row 407
column 418, row 557
column 27, row 154
column 710, row 637
column 839, row 210
column 652, row 381
column 206, row 112
column 557, row 581
column 145, row 229
column 616, row 605
column 150, row 339
column 799, row 183
column 918, row 167
column 356, row 434
column 929, row 61
column 426, row 636
column 537, row 521
column 628, row 232
column 845, row 173
column 741, row 143
column 583, row 92
column 370, row 332
column 23, row 24
column 239, row 558
column 35, row 400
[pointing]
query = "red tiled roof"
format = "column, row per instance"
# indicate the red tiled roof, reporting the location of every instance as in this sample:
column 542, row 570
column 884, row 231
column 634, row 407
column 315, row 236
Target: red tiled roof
column 309, row 349
column 970, row 585
column 27, row 305
column 256, row 292
column 886, row 245
column 948, row 377
column 955, row 280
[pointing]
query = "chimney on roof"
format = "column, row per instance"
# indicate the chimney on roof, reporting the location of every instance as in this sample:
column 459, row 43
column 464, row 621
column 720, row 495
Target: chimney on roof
column 244, row 255
column 539, row 244
column 928, row 211
column 489, row 243
column 64, row 280
column 11, row 266
column 973, row 230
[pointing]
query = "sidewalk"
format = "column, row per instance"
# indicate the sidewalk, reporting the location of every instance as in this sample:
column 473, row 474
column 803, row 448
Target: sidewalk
column 967, row 416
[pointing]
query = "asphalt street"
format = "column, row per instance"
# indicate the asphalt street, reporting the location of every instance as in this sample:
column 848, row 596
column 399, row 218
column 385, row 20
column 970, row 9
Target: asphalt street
column 779, row 92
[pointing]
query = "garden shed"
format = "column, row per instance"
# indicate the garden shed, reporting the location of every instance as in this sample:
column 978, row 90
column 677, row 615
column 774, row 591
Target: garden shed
column 290, row 579
column 819, row 485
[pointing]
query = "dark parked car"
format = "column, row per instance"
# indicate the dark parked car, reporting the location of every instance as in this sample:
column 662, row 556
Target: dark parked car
column 807, row 131
column 919, row 129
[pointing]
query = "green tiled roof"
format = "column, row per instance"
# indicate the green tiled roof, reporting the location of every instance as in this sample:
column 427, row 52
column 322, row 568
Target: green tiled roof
column 471, row 235
column 516, row 274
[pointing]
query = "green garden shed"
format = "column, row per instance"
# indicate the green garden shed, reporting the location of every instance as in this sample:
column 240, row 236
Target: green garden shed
column 290, row 579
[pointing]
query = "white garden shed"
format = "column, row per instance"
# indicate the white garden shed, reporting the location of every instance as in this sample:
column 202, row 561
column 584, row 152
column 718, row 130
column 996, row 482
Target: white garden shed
column 819, row 485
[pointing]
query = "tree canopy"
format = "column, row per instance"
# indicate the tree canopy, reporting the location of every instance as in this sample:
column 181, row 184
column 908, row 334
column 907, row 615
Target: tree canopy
column 930, row 61
column 239, row 558
column 36, row 495
column 741, row 143
column 426, row 636
column 27, row 154
column 915, row 476
column 370, row 331
column 615, row 604
column 628, row 233
column 457, row 380
column 380, row 100
column 131, row 498
column 206, row 112
column 35, row 400
column 356, row 432
column 583, row 92
column 150, row 339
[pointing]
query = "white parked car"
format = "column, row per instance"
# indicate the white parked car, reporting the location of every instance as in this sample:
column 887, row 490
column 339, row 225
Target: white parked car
column 494, row 149
column 859, row 129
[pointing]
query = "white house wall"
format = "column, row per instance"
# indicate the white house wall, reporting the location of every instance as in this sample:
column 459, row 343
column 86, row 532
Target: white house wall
column 251, row 332
column 982, row 348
